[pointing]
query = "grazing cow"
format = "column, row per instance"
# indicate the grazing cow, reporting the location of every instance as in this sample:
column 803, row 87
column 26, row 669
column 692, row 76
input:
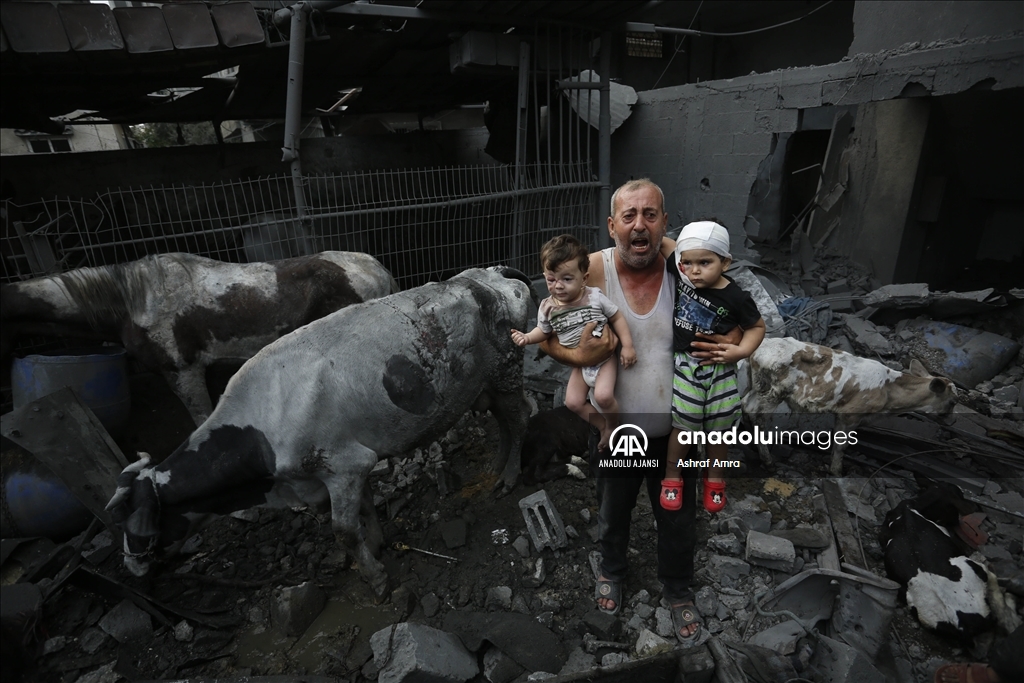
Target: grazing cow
column 313, row 412
column 816, row 379
column 177, row 313
column 946, row 590
column 552, row 445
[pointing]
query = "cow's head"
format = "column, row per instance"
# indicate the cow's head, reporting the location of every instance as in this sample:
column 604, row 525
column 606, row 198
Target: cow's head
column 135, row 509
column 940, row 397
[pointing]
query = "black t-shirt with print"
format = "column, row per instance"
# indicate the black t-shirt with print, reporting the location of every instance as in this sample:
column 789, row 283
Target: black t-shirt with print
column 710, row 311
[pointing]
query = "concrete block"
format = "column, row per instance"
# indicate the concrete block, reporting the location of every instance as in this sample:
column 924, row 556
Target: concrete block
column 414, row 652
column 767, row 97
column 753, row 512
column 856, row 90
column 788, row 122
column 294, row 608
column 866, row 338
column 649, row 643
column 499, row 598
column 745, row 164
column 522, row 546
column 728, row 570
column 711, row 144
column 733, row 183
column 800, row 95
column 696, row 665
column 753, row 143
column 604, row 626
column 127, row 622
column 730, row 103
column 770, row 551
column 578, row 661
column 663, row 622
column 499, row 667
column 543, row 522
column 726, row 544
column 781, row 638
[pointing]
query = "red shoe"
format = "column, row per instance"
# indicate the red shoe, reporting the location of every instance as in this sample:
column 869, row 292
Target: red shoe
column 714, row 495
column 671, row 494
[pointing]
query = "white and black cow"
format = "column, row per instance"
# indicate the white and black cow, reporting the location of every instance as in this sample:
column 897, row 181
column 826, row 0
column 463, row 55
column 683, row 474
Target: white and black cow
column 313, row 412
column 947, row 591
column 817, row 379
column 178, row 313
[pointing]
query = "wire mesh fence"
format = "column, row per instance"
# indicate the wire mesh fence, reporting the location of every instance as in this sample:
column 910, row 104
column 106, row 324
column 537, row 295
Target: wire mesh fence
column 422, row 224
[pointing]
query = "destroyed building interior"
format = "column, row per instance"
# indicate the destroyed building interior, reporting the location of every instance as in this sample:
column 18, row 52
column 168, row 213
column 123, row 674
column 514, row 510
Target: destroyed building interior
column 867, row 159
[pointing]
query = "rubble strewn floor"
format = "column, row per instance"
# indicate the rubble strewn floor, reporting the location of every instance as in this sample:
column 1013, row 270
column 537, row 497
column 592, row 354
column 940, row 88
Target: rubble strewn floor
column 451, row 546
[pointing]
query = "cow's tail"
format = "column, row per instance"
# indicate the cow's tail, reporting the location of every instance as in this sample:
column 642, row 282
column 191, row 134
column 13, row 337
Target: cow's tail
column 513, row 274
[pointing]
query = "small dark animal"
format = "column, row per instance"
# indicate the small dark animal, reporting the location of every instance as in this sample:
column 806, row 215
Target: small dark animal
column 178, row 313
column 307, row 418
column 947, row 591
column 816, row 379
column 555, row 440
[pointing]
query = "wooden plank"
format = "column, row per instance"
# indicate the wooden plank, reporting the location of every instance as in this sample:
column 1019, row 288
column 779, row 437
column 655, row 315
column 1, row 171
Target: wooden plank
column 849, row 548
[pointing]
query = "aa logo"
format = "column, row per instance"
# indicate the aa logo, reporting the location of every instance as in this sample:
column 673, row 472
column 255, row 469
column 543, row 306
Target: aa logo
column 627, row 441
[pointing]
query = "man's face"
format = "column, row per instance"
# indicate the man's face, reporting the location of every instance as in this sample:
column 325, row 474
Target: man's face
column 637, row 227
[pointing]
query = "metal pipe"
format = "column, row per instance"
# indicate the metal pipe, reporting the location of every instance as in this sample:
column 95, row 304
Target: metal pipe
column 293, row 104
column 604, row 145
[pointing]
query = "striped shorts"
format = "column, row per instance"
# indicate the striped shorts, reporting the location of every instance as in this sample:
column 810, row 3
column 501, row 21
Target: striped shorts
column 704, row 398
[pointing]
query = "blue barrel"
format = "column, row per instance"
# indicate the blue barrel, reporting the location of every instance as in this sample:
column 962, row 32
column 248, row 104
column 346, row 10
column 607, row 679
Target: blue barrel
column 36, row 503
column 99, row 376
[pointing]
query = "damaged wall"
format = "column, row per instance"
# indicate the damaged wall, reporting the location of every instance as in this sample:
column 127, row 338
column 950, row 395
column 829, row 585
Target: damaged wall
column 881, row 26
column 705, row 142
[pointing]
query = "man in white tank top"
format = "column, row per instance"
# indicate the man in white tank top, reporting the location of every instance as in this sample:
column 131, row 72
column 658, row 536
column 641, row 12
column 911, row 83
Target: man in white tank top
column 633, row 275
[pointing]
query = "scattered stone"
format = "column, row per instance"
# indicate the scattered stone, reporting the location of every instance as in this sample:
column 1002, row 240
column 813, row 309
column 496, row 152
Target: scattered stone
column 770, row 551
column 410, row 651
column 663, row 622
column 454, row 533
column 585, row 514
column 781, row 638
column 604, row 626
column 404, row 601
column 294, row 608
column 613, row 658
column 644, row 611
column 696, row 665
column 754, row 513
column 522, row 546
column 539, row 676
column 127, row 622
column 104, row 674
column 706, row 600
column 866, row 337
column 183, row 631
column 991, row 488
column 578, row 661
column 571, row 532
column 728, row 570
column 733, row 599
column 499, row 667
column 519, row 604
column 431, row 604
column 727, row 544
column 537, row 576
column 649, row 643
column 803, row 537
column 546, row 619
column 91, row 640
column 635, row 623
column 499, row 598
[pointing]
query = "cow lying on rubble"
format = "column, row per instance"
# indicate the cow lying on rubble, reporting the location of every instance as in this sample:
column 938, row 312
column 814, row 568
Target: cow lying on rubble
column 816, row 379
column 177, row 313
column 312, row 412
column 946, row 590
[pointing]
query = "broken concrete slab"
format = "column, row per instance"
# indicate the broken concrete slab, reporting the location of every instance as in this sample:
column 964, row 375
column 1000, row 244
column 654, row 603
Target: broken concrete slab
column 603, row 625
column 649, row 643
column 898, row 296
column 802, row 537
column 728, row 570
column 411, row 652
column 127, row 623
column 294, row 608
column 866, row 337
column 520, row 636
column 770, row 551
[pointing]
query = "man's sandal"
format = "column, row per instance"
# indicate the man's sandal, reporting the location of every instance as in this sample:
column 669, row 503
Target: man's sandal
column 963, row 673
column 607, row 589
column 684, row 615
column 714, row 495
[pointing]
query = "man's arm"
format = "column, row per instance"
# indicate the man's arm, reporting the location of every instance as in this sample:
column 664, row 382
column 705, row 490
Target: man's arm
column 591, row 350
column 711, row 345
